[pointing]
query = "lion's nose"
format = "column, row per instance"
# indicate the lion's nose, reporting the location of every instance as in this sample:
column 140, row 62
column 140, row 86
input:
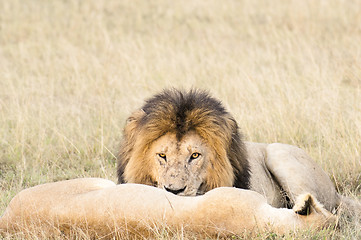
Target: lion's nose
column 175, row 191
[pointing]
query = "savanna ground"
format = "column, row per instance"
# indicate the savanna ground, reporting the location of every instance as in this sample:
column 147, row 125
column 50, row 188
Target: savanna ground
column 72, row 71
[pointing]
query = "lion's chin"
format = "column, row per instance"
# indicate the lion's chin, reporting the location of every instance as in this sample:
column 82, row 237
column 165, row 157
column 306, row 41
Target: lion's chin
column 191, row 193
column 188, row 192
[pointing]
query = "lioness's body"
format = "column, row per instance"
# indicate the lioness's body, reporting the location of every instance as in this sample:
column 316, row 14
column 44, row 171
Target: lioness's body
column 99, row 208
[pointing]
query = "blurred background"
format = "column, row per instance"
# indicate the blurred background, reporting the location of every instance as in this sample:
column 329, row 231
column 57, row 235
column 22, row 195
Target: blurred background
column 72, row 71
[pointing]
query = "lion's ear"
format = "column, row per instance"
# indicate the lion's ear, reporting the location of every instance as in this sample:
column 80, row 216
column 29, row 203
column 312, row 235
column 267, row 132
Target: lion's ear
column 307, row 204
column 132, row 123
column 136, row 116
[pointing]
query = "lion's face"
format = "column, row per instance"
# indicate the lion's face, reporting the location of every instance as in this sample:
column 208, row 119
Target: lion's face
column 184, row 142
column 181, row 165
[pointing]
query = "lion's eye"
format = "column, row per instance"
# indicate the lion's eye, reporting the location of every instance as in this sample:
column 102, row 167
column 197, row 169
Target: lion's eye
column 194, row 155
column 162, row 155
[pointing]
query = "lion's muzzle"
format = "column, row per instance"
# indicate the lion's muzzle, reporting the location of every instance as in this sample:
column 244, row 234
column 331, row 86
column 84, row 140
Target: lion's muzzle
column 175, row 191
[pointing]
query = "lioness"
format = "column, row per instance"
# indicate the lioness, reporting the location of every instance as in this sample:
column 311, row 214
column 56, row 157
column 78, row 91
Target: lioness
column 98, row 208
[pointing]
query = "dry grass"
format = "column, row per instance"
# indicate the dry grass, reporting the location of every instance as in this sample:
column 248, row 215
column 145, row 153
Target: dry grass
column 72, row 71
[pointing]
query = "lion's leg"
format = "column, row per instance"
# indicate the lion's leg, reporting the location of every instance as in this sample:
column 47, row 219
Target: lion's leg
column 297, row 174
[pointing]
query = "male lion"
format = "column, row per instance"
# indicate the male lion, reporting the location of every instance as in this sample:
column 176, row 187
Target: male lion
column 188, row 144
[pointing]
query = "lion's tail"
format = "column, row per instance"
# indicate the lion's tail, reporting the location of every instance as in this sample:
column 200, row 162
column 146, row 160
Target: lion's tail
column 350, row 207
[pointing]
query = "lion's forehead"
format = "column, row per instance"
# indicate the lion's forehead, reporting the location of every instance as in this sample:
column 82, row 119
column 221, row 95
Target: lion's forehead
column 170, row 145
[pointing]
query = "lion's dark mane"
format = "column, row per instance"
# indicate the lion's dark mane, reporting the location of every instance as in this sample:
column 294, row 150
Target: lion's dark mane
column 180, row 112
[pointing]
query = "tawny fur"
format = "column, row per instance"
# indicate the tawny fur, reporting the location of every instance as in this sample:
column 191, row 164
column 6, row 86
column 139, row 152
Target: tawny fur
column 180, row 112
column 100, row 208
column 279, row 172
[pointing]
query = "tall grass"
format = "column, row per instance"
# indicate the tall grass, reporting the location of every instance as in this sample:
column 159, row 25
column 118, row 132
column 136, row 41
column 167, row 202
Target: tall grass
column 72, row 71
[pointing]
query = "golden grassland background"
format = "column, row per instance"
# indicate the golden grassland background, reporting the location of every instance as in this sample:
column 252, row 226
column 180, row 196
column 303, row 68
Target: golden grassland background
column 72, row 71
